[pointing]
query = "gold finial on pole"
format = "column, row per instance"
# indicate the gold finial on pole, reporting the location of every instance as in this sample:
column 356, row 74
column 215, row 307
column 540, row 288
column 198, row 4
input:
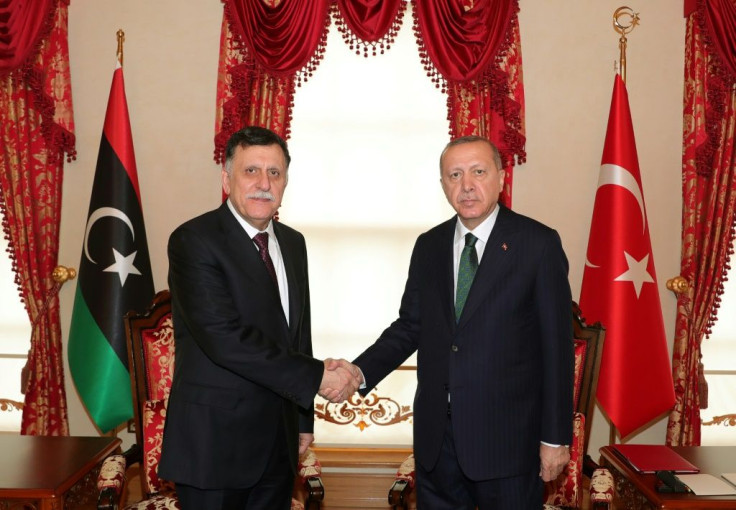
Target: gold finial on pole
column 623, row 28
column 121, row 40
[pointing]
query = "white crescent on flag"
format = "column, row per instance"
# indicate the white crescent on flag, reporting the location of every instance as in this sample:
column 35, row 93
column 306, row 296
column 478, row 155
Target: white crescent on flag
column 102, row 212
column 614, row 175
column 619, row 176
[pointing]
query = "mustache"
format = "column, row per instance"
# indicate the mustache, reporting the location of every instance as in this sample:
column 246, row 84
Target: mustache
column 263, row 195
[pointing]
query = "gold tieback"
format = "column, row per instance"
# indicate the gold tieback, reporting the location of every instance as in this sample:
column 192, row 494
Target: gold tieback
column 678, row 285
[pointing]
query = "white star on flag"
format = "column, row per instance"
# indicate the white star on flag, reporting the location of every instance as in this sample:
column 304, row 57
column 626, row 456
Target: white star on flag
column 123, row 266
column 637, row 273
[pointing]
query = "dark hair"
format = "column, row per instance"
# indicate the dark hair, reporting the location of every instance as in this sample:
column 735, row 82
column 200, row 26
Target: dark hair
column 253, row 135
column 474, row 138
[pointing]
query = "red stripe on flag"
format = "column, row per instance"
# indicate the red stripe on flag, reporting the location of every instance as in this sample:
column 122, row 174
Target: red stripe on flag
column 117, row 128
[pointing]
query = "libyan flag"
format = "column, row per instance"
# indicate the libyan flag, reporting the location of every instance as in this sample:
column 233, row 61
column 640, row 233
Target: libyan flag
column 114, row 272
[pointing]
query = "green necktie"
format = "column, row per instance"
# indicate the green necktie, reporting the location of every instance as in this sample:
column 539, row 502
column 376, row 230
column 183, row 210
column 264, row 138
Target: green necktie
column 465, row 273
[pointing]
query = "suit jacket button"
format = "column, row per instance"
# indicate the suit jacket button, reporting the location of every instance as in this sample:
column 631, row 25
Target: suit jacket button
column 455, row 348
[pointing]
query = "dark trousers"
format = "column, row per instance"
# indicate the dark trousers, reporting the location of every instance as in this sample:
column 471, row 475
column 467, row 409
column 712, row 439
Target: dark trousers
column 272, row 492
column 445, row 487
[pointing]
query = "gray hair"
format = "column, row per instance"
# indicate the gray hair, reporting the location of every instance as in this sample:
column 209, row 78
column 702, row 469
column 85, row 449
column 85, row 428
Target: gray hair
column 470, row 139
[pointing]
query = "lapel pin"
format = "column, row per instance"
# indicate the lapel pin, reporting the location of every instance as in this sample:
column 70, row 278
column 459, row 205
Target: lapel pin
column 504, row 247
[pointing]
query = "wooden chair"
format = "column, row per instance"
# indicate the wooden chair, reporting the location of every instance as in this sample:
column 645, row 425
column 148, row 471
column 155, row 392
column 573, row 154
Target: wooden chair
column 567, row 490
column 150, row 343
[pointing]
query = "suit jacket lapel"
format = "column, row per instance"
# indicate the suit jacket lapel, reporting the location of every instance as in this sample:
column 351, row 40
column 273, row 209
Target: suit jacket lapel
column 242, row 248
column 287, row 255
column 446, row 269
column 496, row 258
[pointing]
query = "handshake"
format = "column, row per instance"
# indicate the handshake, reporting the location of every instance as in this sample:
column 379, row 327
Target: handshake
column 339, row 380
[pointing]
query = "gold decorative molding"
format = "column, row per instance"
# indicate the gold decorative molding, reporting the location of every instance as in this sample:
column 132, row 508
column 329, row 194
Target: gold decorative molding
column 726, row 420
column 10, row 405
column 678, row 285
column 359, row 411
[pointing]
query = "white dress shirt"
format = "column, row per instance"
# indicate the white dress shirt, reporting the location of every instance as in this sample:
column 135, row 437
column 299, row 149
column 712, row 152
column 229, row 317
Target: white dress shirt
column 274, row 250
column 482, row 232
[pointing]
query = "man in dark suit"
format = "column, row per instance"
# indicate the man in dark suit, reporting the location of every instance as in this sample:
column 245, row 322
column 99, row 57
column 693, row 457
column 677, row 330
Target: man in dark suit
column 241, row 403
column 487, row 307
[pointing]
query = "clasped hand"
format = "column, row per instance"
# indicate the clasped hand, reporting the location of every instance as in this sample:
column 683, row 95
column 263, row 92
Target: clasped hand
column 339, row 380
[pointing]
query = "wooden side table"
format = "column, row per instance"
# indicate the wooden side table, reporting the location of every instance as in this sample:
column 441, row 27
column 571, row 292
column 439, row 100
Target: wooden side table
column 45, row 472
column 636, row 490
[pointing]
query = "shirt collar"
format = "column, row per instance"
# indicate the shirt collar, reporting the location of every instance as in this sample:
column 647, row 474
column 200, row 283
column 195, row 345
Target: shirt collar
column 250, row 229
column 482, row 231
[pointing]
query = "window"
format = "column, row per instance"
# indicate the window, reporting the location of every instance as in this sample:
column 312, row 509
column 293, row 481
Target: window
column 364, row 183
column 14, row 344
column 719, row 359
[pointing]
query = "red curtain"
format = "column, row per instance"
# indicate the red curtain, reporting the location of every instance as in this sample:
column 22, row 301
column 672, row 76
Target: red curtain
column 709, row 201
column 37, row 129
column 267, row 47
column 470, row 48
column 24, row 24
column 368, row 26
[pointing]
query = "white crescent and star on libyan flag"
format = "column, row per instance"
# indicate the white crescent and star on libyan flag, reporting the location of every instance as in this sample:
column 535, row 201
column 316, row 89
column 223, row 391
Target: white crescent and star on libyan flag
column 123, row 265
column 637, row 272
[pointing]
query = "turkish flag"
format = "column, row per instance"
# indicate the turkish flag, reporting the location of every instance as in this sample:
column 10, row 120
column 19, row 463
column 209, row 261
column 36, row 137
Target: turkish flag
column 620, row 285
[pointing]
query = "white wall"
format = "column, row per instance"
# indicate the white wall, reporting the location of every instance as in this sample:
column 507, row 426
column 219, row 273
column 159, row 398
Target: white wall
column 568, row 49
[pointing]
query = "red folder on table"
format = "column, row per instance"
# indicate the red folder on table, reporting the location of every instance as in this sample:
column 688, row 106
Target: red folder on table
column 648, row 458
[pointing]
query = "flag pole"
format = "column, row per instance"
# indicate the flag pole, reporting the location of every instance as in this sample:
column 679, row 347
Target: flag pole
column 623, row 28
column 121, row 40
column 624, row 21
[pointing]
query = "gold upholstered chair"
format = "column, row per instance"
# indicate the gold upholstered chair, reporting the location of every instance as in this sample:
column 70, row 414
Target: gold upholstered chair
column 151, row 356
column 567, row 490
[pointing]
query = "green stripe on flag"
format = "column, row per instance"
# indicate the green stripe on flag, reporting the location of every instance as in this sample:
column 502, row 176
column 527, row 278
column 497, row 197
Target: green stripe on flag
column 101, row 379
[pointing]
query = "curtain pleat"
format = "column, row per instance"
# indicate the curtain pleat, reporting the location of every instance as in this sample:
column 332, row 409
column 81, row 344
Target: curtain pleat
column 709, row 217
column 37, row 129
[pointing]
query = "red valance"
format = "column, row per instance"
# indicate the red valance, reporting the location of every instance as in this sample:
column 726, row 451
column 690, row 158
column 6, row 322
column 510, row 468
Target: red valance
column 462, row 39
column 22, row 27
column 688, row 7
column 716, row 20
column 284, row 38
column 719, row 18
column 368, row 24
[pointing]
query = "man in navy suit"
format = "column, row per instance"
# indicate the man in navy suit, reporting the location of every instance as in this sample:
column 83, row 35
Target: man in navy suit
column 493, row 407
column 241, row 403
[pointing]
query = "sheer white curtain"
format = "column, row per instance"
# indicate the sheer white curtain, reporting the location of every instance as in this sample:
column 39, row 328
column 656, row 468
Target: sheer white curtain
column 15, row 337
column 719, row 358
column 364, row 183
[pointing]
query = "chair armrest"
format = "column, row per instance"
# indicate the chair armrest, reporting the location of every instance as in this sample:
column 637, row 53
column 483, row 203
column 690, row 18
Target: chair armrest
column 133, row 455
column 309, row 479
column 315, row 492
column 601, row 489
column 400, row 491
column 110, row 482
column 111, row 479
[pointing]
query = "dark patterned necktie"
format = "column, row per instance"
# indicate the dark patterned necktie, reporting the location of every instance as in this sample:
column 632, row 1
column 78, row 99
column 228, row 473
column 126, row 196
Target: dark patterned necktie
column 465, row 273
column 261, row 241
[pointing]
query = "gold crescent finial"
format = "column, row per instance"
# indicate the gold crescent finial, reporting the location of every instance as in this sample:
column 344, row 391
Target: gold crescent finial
column 121, row 40
column 623, row 28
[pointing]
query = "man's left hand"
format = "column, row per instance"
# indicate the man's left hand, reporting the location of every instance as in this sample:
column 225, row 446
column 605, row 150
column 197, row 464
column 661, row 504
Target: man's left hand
column 305, row 440
column 553, row 461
